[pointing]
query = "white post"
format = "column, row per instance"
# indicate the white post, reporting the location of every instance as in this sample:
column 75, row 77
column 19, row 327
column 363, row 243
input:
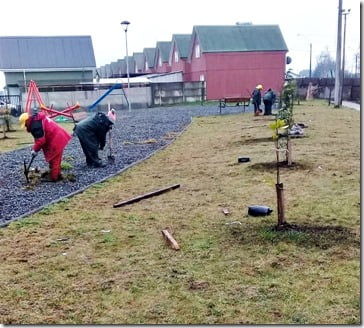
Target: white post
column 338, row 59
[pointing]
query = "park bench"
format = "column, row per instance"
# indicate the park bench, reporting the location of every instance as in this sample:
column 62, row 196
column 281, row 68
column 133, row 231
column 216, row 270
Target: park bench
column 234, row 101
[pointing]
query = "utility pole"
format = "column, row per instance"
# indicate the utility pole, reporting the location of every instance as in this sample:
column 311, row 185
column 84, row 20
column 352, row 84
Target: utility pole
column 310, row 59
column 345, row 13
column 337, row 100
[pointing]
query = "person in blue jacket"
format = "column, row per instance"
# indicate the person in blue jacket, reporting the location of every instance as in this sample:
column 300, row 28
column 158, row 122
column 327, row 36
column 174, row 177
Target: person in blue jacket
column 257, row 99
column 269, row 99
column 92, row 133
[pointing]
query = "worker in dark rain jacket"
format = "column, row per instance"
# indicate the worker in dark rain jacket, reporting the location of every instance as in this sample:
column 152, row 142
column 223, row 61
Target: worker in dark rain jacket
column 92, row 135
column 269, row 99
column 49, row 137
column 257, row 99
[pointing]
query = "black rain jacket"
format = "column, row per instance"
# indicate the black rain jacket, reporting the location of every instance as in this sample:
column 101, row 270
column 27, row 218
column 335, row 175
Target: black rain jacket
column 92, row 131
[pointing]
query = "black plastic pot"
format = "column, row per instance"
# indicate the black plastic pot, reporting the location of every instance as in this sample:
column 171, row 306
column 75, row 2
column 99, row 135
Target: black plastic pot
column 259, row 210
column 243, row 159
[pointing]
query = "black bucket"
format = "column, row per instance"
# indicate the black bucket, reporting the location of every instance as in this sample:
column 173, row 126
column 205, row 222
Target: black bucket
column 259, row 210
column 243, row 159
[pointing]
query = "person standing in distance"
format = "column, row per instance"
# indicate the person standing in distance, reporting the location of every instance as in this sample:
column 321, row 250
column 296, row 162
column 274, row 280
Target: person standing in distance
column 257, row 99
column 269, row 99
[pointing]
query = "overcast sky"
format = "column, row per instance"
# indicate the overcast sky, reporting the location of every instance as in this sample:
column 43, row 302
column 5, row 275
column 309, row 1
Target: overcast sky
column 301, row 21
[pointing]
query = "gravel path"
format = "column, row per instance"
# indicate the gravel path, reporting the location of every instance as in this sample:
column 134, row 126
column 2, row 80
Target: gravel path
column 131, row 131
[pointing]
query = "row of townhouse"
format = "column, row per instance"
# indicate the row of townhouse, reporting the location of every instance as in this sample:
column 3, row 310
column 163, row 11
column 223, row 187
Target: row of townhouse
column 231, row 59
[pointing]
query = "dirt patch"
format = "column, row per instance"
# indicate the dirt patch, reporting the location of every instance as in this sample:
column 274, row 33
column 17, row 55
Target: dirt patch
column 321, row 236
column 307, row 236
column 283, row 164
column 247, row 140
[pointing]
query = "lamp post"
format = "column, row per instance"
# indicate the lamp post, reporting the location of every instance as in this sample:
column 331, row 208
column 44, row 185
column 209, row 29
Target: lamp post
column 344, row 12
column 125, row 25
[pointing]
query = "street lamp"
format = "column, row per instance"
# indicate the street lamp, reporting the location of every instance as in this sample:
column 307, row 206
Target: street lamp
column 344, row 12
column 125, row 25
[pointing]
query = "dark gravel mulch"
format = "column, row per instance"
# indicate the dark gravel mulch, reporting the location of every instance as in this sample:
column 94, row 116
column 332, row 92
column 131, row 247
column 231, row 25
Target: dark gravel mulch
column 129, row 136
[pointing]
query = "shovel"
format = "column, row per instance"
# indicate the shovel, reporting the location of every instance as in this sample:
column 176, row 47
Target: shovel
column 27, row 167
column 110, row 156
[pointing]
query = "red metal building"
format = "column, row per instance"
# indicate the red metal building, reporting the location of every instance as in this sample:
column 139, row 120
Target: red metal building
column 161, row 61
column 178, row 57
column 232, row 60
column 149, row 58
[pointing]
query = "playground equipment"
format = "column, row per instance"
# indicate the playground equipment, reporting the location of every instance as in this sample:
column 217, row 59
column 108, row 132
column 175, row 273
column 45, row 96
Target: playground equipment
column 34, row 96
column 115, row 86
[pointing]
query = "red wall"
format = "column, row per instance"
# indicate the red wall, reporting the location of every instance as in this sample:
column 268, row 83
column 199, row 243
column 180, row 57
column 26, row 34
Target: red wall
column 180, row 66
column 237, row 74
column 165, row 68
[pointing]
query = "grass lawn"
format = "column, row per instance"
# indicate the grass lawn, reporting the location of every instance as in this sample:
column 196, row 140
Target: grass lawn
column 81, row 261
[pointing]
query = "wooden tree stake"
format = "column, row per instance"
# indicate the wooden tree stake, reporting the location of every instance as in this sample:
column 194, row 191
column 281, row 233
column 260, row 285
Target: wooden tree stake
column 171, row 241
column 280, row 204
column 148, row 195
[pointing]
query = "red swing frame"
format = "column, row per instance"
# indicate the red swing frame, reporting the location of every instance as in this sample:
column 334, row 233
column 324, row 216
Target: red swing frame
column 34, row 96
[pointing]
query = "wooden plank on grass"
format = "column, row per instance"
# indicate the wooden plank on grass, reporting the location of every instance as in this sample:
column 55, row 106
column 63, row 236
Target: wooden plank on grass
column 148, row 195
column 169, row 238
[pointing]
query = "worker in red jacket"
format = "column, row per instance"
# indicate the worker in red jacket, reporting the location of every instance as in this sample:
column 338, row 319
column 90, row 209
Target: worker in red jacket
column 48, row 136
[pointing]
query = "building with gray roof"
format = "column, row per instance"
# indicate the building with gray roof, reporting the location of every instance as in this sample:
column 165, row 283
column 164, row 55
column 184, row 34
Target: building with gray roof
column 48, row 60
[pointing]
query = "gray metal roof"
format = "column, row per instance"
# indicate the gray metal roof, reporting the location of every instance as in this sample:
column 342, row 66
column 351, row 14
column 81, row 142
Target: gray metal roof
column 46, row 52
column 182, row 42
column 115, row 68
column 164, row 48
column 131, row 63
column 122, row 66
column 237, row 38
column 108, row 70
column 139, row 60
column 149, row 56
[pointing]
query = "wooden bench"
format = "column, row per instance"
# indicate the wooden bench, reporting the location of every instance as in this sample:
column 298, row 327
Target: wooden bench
column 237, row 101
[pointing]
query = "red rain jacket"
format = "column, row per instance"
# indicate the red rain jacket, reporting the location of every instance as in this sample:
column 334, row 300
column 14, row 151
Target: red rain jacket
column 48, row 135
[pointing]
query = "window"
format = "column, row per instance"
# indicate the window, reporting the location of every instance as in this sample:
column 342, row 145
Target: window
column 176, row 57
column 197, row 51
column 146, row 65
column 159, row 61
column 202, row 77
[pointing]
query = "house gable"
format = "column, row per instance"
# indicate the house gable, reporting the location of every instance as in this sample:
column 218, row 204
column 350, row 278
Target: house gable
column 149, row 54
column 162, row 53
column 179, row 48
column 139, row 61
